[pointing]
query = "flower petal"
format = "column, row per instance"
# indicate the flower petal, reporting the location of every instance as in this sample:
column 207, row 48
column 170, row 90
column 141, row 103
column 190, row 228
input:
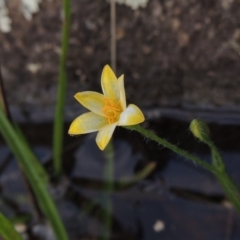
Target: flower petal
column 109, row 83
column 104, row 135
column 130, row 116
column 93, row 101
column 122, row 92
column 86, row 123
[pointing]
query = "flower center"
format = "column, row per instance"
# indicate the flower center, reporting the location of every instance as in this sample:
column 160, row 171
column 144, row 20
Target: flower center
column 112, row 109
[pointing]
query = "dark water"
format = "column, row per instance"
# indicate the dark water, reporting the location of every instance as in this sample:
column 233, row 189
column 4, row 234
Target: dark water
column 178, row 200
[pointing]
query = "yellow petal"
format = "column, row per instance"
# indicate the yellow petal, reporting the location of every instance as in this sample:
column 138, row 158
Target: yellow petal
column 122, row 92
column 104, row 135
column 93, row 101
column 86, row 123
column 109, row 83
column 130, row 116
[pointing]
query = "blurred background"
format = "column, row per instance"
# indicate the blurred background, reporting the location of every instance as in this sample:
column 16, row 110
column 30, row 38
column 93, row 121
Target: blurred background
column 180, row 59
column 177, row 54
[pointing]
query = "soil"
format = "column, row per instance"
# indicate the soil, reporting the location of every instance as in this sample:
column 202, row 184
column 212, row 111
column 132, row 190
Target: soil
column 173, row 53
column 177, row 54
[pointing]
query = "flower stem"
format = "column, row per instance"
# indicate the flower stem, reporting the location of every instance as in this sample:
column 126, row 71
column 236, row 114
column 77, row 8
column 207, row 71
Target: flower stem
column 113, row 34
column 230, row 188
column 217, row 167
column 170, row 146
column 61, row 93
column 108, row 189
column 217, row 160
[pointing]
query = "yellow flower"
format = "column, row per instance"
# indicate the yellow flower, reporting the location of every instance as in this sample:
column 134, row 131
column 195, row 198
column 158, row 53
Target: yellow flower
column 107, row 110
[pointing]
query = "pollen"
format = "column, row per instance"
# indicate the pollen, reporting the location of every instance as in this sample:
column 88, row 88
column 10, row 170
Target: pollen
column 112, row 109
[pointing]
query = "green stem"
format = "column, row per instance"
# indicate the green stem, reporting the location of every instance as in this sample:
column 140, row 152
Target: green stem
column 170, row 146
column 217, row 167
column 108, row 188
column 3, row 99
column 113, row 34
column 61, row 93
column 230, row 188
column 217, row 160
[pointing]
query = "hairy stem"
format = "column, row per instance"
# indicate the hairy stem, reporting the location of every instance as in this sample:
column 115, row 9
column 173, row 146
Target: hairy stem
column 170, row 146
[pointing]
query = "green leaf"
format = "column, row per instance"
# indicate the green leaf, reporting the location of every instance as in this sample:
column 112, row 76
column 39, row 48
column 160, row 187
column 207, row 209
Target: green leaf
column 7, row 230
column 36, row 177
column 36, row 163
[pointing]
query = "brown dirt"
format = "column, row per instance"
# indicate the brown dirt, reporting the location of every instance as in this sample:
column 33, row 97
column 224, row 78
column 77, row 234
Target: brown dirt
column 173, row 53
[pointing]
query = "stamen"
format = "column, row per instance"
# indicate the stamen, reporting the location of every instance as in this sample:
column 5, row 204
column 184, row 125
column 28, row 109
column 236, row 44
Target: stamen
column 112, row 109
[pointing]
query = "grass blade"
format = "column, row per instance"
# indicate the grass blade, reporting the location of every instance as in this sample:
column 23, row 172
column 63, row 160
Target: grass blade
column 7, row 231
column 38, row 182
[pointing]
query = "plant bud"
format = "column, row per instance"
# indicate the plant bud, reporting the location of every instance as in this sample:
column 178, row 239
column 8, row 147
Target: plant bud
column 200, row 129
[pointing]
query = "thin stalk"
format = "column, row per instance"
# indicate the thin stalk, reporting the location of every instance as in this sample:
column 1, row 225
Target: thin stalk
column 170, row 146
column 113, row 34
column 217, row 159
column 231, row 189
column 61, row 93
column 217, row 167
column 108, row 189
column 3, row 99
